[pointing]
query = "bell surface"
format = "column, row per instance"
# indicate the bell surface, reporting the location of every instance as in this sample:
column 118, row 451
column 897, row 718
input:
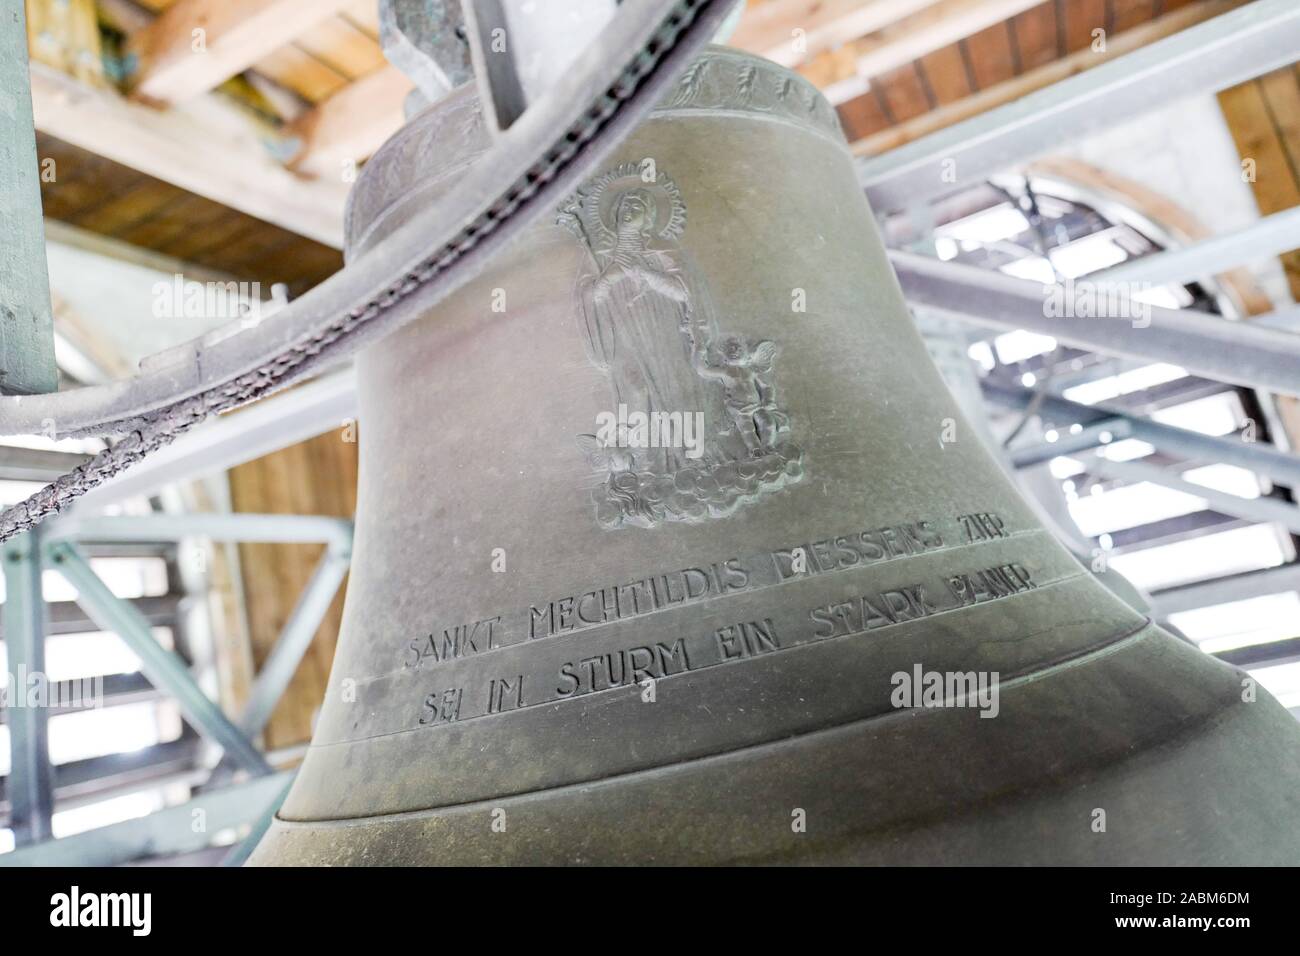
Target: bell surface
column 673, row 547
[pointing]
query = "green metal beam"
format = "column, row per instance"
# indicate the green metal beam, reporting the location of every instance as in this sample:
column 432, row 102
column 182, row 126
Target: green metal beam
column 179, row 829
column 30, row 785
column 26, row 319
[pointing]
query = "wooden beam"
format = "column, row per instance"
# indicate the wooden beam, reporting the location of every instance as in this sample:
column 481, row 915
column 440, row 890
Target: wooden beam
column 1262, row 117
column 350, row 125
column 65, row 35
column 207, row 148
column 1026, row 83
column 769, row 29
column 911, row 38
column 196, row 45
column 315, row 477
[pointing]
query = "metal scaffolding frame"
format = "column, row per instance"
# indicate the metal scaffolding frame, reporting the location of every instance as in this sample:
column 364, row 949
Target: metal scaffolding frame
column 30, row 775
column 1089, row 317
column 59, row 547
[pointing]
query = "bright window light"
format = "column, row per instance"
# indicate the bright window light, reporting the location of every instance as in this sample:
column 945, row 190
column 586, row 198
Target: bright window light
column 982, row 353
column 1197, row 559
column 1129, row 506
column 1064, row 467
column 108, row 730
column 945, row 247
column 129, row 806
column 1149, row 376
column 77, row 656
column 1031, row 267
column 12, row 492
column 1128, row 449
column 1282, row 681
column 994, row 224
column 1257, row 620
column 91, row 654
column 1113, row 386
column 6, row 841
column 136, row 505
column 1017, row 346
column 1226, row 478
column 1165, row 296
column 1088, row 255
column 1219, row 414
column 125, row 577
column 81, row 446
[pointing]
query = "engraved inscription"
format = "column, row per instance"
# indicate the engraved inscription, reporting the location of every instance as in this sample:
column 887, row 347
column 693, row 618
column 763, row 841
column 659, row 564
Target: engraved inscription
column 623, row 601
column 620, row 668
column 990, row 583
column 912, row 603
column 505, row 694
column 736, row 642
column 647, row 320
column 847, row 551
column 442, row 707
column 746, row 639
column 982, row 526
column 461, row 640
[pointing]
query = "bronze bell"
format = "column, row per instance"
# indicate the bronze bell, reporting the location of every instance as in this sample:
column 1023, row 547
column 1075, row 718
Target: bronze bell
column 661, row 557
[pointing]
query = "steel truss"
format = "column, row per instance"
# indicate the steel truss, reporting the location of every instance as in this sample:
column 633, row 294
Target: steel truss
column 59, row 546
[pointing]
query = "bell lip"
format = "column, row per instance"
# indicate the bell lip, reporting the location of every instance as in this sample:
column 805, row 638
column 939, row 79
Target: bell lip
column 1245, row 734
column 394, row 179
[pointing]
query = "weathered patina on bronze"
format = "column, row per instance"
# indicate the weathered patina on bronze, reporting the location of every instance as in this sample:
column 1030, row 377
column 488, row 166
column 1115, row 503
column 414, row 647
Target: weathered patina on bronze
column 779, row 617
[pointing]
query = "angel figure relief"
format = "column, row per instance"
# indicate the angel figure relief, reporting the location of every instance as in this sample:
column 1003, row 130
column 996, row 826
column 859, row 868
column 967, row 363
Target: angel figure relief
column 648, row 322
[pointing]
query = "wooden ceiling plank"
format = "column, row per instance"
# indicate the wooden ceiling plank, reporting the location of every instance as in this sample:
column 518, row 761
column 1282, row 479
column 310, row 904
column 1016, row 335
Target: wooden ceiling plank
column 125, row 209
column 254, row 251
column 365, row 14
column 905, row 96
column 196, row 45
column 343, row 47
column 192, row 244
column 229, row 168
column 1013, row 89
column 1250, row 119
column 1261, row 117
column 351, row 124
column 862, row 116
column 178, row 218
column 1131, row 13
column 77, row 179
column 931, row 29
column 945, row 70
column 791, row 31
column 1281, row 90
column 297, row 70
column 1082, row 17
column 991, row 57
column 1035, row 35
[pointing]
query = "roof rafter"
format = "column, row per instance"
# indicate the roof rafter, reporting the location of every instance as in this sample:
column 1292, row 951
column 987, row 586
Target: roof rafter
column 196, row 45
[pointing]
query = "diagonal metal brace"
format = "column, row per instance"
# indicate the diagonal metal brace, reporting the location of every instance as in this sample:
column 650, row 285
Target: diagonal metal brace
column 164, row 668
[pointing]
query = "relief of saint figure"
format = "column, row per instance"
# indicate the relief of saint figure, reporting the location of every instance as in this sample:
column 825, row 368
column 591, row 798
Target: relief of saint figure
column 648, row 322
